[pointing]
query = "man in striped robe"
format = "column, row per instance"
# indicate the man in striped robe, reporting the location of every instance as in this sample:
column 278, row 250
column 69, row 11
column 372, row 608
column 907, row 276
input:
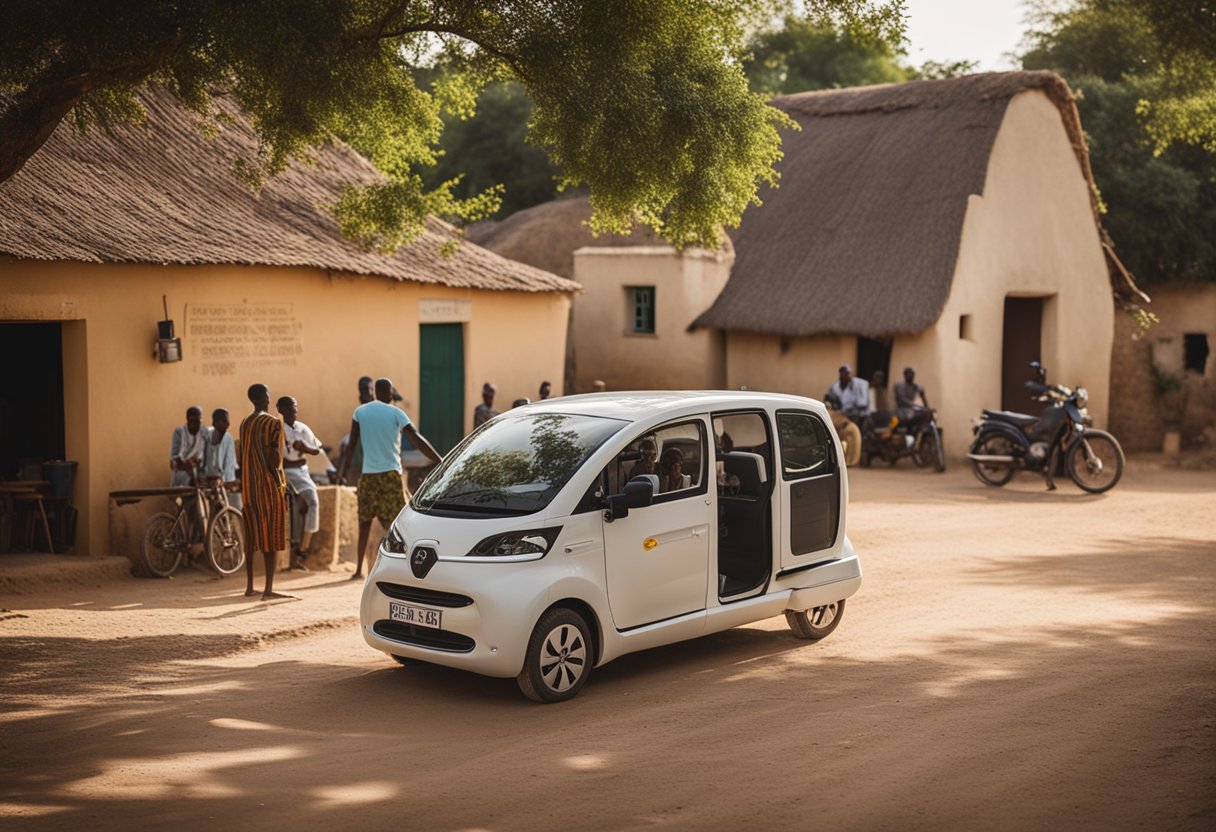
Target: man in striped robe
column 263, row 488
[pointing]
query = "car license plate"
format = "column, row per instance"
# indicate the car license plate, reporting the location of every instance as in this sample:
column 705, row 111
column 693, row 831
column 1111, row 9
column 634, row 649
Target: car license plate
column 420, row 616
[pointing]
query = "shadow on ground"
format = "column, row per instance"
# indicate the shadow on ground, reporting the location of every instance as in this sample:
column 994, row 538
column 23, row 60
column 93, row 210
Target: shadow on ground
column 1103, row 726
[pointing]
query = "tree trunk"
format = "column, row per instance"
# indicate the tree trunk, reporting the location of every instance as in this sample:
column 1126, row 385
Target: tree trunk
column 28, row 119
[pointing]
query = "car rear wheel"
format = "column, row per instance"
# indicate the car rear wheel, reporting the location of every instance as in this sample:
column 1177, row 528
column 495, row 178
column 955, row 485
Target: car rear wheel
column 816, row 623
column 559, row 657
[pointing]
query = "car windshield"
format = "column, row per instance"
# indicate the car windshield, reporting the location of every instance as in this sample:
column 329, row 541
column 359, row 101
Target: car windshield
column 515, row 464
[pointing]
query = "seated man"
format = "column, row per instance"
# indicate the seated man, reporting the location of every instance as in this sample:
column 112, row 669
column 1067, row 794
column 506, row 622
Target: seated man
column 910, row 401
column 846, row 429
column 186, row 450
column 852, row 393
column 219, row 458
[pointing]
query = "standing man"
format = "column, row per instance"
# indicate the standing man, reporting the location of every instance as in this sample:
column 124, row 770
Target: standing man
column 485, row 411
column 378, row 426
column 546, row 390
column 264, row 488
column 352, row 450
column 186, row 450
column 299, row 443
column 219, row 459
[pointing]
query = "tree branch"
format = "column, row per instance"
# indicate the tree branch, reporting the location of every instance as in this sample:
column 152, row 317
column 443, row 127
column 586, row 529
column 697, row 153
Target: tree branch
column 28, row 118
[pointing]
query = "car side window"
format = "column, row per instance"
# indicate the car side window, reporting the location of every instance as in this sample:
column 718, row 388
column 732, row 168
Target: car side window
column 806, row 447
column 674, row 454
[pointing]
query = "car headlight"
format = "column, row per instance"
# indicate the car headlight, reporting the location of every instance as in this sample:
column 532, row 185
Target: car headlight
column 1082, row 397
column 508, row 544
column 393, row 543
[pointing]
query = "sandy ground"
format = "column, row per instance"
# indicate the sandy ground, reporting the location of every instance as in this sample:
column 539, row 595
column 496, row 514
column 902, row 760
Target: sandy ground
column 1014, row 660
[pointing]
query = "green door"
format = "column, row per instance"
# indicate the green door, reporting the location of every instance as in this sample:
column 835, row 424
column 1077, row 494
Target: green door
column 441, row 382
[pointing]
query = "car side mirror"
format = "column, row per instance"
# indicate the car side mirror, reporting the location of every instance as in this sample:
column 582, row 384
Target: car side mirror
column 638, row 493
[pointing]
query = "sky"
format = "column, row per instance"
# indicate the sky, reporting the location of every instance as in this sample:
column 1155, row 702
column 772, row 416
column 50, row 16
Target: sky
column 954, row 30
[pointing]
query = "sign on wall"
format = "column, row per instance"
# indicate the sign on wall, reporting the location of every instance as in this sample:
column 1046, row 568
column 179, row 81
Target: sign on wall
column 445, row 311
column 224, row 339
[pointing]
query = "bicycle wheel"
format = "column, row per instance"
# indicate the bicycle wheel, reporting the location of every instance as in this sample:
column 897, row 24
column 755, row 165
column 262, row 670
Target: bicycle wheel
column 164, row 544
column 226, row 541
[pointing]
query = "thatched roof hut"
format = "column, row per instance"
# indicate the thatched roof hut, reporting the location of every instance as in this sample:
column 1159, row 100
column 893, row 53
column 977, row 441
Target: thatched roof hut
column 169, row 195
column 547, row 235
column 863, row 234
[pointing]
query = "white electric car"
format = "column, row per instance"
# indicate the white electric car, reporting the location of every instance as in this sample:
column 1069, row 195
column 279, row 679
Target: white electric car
column 566, row 533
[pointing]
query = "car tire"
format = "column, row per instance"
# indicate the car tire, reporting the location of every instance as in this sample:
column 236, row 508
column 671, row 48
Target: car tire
column 403, row 661
column 817, row 623
column 559, row 657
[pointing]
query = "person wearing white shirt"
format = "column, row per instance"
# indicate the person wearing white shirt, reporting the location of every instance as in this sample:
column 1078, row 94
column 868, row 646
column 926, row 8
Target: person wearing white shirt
column 186, row 450
column 299, row 443
column 219, row 458
column 852, row 393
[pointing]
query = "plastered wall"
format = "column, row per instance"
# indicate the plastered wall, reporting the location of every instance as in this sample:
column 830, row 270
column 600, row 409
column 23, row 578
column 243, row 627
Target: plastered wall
column 671, row 358
column 122, row 405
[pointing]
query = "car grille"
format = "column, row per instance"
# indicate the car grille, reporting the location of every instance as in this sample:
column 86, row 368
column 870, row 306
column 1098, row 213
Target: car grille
column 418, row 595
column 424, row 636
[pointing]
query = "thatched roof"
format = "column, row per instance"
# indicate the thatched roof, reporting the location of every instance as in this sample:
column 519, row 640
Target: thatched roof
column 547, row 235
column 862, row 235
column 162, row 192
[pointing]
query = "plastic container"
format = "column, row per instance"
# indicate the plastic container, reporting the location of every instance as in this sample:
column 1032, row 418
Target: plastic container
column 61, row 475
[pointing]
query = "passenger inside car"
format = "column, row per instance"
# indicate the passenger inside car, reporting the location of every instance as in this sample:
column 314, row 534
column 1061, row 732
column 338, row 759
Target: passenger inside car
column 671, row 472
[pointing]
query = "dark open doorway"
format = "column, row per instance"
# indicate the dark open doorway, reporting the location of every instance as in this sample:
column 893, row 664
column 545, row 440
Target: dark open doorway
column 1022, row 342
column 31, row 397
column 873, row 355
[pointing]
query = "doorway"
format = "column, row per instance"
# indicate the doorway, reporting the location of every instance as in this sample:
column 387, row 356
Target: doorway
column 1022, row 342
column 441, row 384
column 31, row 397
column 873, row 354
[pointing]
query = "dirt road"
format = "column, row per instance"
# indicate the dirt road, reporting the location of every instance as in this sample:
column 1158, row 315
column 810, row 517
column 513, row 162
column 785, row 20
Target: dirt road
column 1014, row 660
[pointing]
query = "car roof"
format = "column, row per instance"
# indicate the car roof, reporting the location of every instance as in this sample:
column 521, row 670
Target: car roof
column 639, row 405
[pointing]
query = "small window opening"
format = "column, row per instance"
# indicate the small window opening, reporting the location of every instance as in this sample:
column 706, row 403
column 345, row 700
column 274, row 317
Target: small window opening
column 641, row 309
column 1195, row 350
column 964, row 327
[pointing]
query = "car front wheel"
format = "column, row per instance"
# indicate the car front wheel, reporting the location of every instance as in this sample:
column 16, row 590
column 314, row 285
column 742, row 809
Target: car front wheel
column 559, row 657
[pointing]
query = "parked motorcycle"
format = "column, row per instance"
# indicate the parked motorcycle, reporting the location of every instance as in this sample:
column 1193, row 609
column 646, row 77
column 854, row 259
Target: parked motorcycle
column 887, row 437
column 1056, row 443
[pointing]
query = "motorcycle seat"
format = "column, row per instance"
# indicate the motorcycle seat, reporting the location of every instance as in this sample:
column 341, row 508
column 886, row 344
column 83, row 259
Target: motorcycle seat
column 1020, row 420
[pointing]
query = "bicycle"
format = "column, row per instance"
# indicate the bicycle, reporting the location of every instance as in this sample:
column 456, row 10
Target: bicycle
column 215, row 527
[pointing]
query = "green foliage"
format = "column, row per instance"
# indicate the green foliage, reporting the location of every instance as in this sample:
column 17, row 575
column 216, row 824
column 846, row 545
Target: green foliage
column 491, row 148
column 642, row 101
column 1160, row 199
column 804, row 54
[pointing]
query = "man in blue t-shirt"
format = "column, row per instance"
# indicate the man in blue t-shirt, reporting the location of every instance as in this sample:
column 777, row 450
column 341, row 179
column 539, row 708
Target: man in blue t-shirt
column 377, row 426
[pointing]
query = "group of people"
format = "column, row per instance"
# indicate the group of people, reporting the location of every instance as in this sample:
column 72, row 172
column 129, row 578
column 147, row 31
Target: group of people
column 852, row 399
column 273, row 458
column 485, row 411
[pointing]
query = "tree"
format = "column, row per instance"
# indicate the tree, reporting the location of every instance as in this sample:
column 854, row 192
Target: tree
column 1159, row 199
column 811, row 53
column 491, row 149
column 642, row 100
